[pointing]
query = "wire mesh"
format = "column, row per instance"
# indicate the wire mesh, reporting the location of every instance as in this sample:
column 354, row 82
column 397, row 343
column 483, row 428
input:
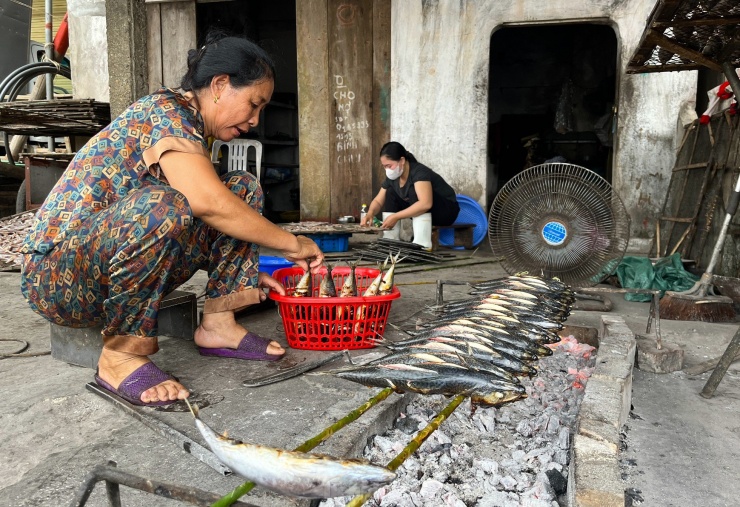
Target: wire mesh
column 590, row 223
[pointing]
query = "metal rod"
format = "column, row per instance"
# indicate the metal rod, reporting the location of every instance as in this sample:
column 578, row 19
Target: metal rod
column 111, row 475
column 724, row 363
column 415, row 443
column 309, row 444
column 180, row 439
column 49, row 53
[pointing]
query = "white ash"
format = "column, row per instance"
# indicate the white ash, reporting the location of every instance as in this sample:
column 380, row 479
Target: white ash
column 496, row 457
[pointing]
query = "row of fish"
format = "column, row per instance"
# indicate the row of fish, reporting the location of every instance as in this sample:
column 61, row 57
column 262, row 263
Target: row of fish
column 478, row 347
column 382, row 284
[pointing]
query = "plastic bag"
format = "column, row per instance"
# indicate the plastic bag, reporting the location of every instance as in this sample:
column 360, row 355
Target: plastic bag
column 667, row 274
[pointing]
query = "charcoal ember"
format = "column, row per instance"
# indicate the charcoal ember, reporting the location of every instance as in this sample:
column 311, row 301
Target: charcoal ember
column 553, row 424
column 484, row 421
column 564, row 438
column 430, row 488
column 498, row 499
column 525, row 428
column 397, row 498
column 558, row 483
column 486, row 465
column 385, row 444
column 508, row 483
column 561, row 457
column 451, row 500
column 407, row 425
column 518, row 456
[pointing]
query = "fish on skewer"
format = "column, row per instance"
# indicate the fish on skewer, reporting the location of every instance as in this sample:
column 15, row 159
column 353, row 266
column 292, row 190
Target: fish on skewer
column 386, row 284
column 349, row 287
column 293, row 473
column 482, row 388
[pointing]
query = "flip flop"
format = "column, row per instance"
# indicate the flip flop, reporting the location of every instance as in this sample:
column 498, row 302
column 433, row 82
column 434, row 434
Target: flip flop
column 141, row 379
column 252, row 347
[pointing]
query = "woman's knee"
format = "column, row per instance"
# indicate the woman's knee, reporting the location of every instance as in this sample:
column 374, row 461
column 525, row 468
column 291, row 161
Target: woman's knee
column 163, row 209
column 245, row 186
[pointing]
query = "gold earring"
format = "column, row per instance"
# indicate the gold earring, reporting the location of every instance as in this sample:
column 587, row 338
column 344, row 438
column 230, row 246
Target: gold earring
column 215, row 100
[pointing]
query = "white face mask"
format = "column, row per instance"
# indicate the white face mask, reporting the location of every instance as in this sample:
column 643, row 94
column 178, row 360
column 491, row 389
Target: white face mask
column 395, row 173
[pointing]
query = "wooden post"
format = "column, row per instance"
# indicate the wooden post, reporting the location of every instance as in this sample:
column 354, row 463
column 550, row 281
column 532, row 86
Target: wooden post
column 381, row 104
column 313, row 108
column 350, row 38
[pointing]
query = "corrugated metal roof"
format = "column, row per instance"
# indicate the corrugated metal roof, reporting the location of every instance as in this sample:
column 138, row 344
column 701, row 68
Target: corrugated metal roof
column 689, row 34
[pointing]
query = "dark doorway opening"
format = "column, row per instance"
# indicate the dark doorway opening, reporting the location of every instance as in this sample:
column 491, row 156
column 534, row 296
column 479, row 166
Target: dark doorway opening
column 552, row 91
column 273, row 26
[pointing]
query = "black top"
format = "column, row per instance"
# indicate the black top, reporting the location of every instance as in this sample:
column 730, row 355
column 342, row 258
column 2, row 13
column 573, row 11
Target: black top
column 419, row 172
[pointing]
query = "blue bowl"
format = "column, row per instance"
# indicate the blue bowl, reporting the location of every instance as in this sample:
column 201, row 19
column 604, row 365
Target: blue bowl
column 269, row 264
column 470, row 213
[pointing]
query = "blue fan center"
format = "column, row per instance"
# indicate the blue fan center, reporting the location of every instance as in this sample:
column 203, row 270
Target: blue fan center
column 554, row 233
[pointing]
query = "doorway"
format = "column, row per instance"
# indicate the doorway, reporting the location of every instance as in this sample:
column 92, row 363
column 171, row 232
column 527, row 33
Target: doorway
column 552, row 91
column 272, row 25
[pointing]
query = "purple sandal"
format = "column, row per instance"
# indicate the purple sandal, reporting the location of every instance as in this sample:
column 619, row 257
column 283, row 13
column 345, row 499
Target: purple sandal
column 141, row 379
column 252, row 347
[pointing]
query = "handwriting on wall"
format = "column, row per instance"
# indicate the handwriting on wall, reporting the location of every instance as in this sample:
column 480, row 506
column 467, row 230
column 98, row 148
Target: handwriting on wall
column 351, row 129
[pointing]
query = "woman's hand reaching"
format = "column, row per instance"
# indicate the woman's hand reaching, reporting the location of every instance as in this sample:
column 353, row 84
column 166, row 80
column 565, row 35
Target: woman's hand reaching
column 307, row 249
column 390, row 221
column 265, row 281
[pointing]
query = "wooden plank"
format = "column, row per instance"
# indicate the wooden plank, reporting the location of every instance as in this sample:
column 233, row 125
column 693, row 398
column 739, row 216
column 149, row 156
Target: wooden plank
column 661, row 40
column 350, row 39
column 676, row 219
column 313, row 108
column 178, row 36
column 698, row 165
column 381, row 105
column 154, row 46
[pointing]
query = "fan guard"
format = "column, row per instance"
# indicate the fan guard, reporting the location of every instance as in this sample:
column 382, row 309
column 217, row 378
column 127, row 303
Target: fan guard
column 559, row 220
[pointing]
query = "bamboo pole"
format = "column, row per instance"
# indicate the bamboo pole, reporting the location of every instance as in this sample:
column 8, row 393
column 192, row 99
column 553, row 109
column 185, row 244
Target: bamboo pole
column 415, row 443
column 309, row 444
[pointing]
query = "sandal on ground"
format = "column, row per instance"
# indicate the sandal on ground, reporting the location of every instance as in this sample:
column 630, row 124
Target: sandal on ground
column 252, row 347
column 141, row 379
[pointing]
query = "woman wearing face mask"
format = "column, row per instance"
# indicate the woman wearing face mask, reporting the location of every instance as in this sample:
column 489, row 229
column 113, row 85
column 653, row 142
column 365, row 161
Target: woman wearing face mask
column 411, row 190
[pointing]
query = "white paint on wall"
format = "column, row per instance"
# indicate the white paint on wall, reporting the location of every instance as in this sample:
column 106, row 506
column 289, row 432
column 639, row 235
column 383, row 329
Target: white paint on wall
column 440, row 55
column 88, row 45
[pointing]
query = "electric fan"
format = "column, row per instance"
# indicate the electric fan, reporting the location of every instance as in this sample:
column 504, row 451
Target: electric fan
column 559, row 220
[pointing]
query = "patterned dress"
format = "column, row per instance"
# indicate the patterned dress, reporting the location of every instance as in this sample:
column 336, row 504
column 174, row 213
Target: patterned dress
column 113, row 238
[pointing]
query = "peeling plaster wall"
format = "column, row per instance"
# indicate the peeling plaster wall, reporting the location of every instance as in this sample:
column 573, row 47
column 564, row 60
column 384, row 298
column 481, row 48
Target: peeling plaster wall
column 439, row 83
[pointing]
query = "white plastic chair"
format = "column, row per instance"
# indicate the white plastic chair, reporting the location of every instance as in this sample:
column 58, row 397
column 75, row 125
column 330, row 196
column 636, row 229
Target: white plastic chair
column 238, row 149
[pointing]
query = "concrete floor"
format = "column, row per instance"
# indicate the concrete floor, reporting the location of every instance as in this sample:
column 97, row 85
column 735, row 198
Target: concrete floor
column 680, row 447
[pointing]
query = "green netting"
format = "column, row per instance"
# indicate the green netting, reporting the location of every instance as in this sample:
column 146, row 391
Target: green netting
column 666, row 274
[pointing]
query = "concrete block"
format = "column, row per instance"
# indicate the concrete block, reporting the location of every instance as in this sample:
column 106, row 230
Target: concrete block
column 667, row 359
column 594, row 479
column 606, row 401
column 591, row 432
column 614, row 326
column 612, row 365
column 82, row 346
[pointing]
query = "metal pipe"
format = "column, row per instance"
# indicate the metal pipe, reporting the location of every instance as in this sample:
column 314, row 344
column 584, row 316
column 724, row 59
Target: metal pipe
column 49, row 51
column 113, row 477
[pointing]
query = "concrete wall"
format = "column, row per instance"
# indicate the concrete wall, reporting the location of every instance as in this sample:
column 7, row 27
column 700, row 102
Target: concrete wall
column 88, row 49
column 439, row 83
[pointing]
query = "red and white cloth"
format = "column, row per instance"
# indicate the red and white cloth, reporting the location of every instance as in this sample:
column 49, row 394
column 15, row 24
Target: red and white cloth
column 720, row 98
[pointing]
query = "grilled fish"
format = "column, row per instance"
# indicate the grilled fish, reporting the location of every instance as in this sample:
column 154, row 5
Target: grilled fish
column 295, row 474
column 304, row 288
column 349, row 288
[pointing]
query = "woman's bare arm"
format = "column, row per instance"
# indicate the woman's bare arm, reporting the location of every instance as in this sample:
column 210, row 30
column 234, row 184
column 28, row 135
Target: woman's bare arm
column 210, row 200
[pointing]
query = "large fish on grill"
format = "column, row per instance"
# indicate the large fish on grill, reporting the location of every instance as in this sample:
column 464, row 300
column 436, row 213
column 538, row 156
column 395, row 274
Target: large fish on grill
column 292, row 473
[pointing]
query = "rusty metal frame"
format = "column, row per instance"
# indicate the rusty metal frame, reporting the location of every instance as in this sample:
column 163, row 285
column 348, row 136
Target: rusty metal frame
column 113, row 478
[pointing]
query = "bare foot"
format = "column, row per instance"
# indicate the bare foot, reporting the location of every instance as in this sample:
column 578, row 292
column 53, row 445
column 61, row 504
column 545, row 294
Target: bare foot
column 221, row 330
column 114, row 367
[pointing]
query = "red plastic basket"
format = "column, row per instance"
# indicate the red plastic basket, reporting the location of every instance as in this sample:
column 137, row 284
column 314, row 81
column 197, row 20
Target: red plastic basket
column 316, row 323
